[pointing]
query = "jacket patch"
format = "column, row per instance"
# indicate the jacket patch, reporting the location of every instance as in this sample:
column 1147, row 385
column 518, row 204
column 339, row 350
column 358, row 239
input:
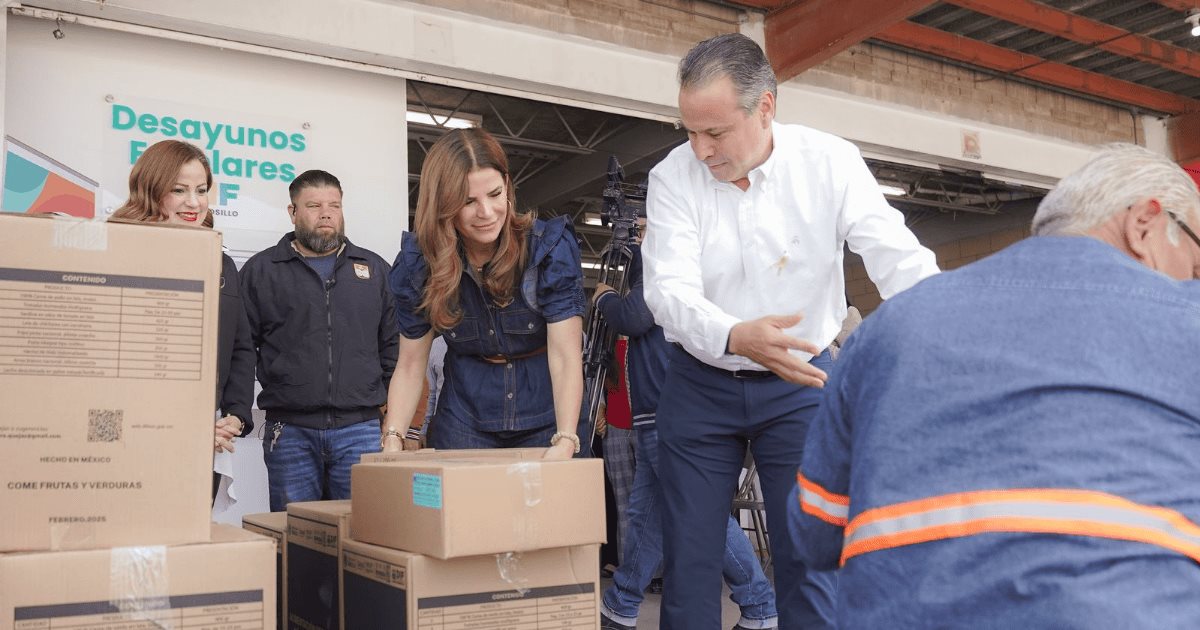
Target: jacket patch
column 362, row 271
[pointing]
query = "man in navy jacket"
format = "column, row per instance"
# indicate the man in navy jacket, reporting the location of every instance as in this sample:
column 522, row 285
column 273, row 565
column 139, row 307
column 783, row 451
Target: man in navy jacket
column 324, row 324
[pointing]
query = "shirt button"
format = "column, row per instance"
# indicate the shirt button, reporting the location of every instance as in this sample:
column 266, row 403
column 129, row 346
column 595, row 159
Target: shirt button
column 452, row 335
column 530, row 325
column 491, row 332
column 508, row 365
column 510, row 395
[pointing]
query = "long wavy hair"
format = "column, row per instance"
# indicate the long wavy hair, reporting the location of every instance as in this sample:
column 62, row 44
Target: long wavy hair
column 153, row 175
column 444, row 192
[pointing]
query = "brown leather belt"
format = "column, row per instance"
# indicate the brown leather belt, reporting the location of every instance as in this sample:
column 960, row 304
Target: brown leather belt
column 500, row 359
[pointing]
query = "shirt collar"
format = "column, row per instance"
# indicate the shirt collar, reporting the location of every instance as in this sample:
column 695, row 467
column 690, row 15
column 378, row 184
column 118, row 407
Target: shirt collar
column 759, row 173
column 765, row 169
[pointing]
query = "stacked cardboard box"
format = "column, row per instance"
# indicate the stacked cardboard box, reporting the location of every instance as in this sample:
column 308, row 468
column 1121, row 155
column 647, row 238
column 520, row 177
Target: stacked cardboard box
column 548, row 588
column 274, row 526
column 228, row 582
column 315, row 533
column 107, row 372
column 108, row 377
column 478, row 503
column 473, row 539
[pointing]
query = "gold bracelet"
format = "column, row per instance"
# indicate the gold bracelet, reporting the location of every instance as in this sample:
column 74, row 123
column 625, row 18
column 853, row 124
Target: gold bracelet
column 560, row 436
column 390, row 431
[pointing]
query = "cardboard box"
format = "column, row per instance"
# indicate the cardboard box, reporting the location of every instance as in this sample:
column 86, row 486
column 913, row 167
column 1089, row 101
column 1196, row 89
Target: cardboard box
column 274, row 526
column 228, row 583
column 457, row 453
column 315, row 533
column 466, row 506
column 548, row 588
column 108, row 376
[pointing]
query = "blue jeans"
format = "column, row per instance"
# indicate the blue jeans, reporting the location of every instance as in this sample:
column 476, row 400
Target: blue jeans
column 314, row 464
column 751, row 590
column 451, row 431
column 705, row 419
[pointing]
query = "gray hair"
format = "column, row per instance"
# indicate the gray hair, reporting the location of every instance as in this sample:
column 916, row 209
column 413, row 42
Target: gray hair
column 1117, row 177
column 730, row 55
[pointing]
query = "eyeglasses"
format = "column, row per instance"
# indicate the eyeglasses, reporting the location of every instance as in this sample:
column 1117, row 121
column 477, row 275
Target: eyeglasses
column 1186, row 230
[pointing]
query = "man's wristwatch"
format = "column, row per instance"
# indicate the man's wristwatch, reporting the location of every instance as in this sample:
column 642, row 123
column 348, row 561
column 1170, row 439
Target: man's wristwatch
column 560, row 436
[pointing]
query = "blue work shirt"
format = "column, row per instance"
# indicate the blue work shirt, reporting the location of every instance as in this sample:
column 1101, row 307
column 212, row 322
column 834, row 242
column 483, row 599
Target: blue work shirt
column 1014, row 444
column 516, row 394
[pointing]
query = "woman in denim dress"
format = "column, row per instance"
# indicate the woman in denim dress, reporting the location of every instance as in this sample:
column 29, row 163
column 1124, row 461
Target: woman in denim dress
column 505, row 291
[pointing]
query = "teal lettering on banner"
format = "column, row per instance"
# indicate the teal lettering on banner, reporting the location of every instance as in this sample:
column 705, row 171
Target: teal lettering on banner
column 123, row 117
column 219, row 140
column 228, row 192
column 147, row 123
column 136, row 147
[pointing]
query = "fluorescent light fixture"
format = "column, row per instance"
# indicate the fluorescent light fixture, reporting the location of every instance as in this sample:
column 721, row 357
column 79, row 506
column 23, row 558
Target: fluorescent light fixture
column 438, row 118
column 590, row 265
column 592, row 219
column 1193, row 19
column 892, row 191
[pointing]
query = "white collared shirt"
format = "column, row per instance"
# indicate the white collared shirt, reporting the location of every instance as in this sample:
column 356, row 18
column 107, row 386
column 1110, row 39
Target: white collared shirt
column 716, row 256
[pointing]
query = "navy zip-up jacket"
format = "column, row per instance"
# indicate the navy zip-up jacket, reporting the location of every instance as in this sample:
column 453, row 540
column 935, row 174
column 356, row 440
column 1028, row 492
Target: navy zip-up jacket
column 235, row 351
column 326, row 350
column 647, row 357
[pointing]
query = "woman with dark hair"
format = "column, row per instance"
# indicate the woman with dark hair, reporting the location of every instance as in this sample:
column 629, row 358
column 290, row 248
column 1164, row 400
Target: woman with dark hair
column 169, row 184
column 505, row 291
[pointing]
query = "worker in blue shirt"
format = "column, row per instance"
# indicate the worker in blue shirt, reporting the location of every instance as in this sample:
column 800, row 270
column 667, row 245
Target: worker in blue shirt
column 1013, row 444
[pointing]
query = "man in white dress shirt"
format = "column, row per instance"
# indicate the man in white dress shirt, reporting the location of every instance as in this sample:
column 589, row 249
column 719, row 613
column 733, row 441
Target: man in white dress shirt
column 747, row 224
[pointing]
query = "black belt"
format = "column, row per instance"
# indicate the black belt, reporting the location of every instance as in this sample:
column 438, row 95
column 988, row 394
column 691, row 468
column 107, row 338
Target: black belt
column 738, row 374
column 501, row 359
column 749, row 374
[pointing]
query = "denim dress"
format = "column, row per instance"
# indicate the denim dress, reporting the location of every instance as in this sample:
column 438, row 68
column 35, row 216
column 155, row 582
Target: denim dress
column 512, row 392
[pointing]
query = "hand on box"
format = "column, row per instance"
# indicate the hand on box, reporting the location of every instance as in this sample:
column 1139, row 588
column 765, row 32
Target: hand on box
column 565, row 449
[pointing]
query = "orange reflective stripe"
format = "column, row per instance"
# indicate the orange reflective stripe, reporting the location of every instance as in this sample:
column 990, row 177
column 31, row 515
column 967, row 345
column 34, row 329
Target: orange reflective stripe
column 1049, row 511
column 821, row 503
column 1036, row 494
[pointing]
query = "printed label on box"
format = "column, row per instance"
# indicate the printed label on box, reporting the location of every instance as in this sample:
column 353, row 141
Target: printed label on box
column 570, row 606
column 376, row 569
column 242, row 610
column 314, row 535
column 427, row 490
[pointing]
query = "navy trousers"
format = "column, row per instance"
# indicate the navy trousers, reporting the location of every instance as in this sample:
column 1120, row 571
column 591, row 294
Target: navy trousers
column 705, row 419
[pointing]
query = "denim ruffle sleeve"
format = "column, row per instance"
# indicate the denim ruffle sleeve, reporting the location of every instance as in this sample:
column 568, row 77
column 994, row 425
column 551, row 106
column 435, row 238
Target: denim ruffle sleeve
column 560, row 274
column 407, row 283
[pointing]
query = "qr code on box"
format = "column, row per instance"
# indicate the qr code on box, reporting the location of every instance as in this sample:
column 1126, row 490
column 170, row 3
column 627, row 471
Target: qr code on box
column 104, row 425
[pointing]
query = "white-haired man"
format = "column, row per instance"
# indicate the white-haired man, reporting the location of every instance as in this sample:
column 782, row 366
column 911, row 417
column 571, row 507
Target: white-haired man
column 1014, row 444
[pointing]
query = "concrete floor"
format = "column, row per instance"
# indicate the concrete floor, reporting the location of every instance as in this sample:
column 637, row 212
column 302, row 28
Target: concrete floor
column 649, row 613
